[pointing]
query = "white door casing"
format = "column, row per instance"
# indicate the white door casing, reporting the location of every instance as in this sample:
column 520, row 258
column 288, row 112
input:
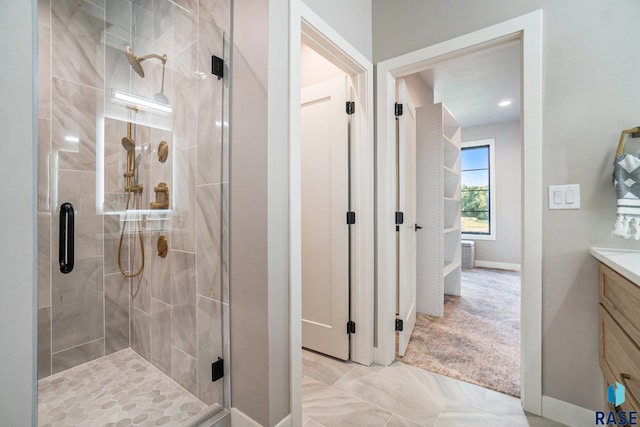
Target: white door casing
column 406, row 242
column 528, row 30
column 325, row 252
column 305, row 24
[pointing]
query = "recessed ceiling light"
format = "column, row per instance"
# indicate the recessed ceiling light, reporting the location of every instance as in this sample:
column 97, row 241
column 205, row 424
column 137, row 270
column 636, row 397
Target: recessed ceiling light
column 504, row 103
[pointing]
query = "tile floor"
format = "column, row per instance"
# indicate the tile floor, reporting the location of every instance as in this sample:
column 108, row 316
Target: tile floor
column 121, row 389
column 336, row 393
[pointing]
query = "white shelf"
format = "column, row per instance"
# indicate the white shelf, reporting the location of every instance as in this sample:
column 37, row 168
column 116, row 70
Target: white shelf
column 451, row 282
column 451, row 155
column 146, row 214
column 448, row 172
column 450, row 268
column 451, row 184
column 450, row 127
column 450, row 144
column 438, row 173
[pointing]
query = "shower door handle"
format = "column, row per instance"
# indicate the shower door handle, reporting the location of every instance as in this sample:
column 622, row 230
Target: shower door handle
column 65, row 254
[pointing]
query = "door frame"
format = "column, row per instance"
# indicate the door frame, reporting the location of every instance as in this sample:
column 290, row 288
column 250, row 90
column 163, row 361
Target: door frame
column 528, row 30
column 304, row 23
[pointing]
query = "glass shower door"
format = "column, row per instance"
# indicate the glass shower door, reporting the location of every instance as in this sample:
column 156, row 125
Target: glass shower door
column 133, row 134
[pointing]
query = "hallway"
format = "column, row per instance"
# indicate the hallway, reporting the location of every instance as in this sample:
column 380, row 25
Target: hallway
column 336, row 393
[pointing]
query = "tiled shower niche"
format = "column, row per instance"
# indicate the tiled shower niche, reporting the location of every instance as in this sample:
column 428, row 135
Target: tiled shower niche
column 175, row 313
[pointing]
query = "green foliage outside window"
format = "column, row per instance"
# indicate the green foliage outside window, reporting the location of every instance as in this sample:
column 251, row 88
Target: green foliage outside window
column 475, row 189
column 475, row 209
column 475, row 201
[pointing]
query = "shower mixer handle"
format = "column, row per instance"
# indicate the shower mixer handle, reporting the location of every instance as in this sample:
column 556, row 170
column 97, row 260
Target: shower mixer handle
column 134, row 188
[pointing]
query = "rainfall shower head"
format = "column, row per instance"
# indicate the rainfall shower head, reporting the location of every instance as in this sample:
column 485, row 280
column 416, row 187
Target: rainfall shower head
column 136, row 61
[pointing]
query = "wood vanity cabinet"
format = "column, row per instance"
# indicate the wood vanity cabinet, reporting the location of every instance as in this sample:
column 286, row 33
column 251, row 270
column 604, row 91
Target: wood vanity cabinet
column 619, row 334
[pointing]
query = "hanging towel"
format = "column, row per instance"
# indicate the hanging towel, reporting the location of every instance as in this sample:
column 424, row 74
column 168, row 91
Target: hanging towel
column 626, row 179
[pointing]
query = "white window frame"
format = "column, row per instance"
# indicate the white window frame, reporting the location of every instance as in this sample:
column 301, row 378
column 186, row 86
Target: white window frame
column 492, row 188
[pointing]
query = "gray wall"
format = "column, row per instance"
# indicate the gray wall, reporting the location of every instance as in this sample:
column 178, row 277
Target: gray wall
column 506, row 247
column 259, row 214
column 351, row 19
column 591, row 87
column 17, row 287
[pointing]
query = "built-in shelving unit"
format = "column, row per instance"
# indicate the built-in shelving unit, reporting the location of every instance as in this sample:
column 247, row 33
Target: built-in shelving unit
column 438, row 201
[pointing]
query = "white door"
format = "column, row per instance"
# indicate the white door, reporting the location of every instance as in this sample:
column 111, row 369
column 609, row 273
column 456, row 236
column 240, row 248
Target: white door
column 325, row 244
column 406, row 240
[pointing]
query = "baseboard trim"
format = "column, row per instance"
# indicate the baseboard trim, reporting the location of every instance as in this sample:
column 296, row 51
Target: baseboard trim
column 567, row 413
column 240, row 419
column 286, row 422
column 212, row 416
column 498, row 265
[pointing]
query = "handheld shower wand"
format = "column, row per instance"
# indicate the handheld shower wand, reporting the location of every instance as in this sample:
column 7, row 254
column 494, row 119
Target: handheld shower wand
column 129, row 144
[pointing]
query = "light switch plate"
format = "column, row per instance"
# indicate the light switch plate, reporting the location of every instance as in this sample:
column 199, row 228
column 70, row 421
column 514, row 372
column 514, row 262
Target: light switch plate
column 564, row 196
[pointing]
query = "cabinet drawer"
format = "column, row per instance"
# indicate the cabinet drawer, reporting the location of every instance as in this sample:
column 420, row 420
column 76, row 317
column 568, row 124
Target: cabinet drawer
column 621, row 357
column 622, row 299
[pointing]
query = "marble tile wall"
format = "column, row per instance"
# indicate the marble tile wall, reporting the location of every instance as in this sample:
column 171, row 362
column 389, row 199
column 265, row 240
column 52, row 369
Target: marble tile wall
column 71, row 99
column 175, row 314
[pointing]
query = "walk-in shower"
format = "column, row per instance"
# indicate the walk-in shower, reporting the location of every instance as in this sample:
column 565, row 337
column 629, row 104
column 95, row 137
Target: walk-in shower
column 138, row 329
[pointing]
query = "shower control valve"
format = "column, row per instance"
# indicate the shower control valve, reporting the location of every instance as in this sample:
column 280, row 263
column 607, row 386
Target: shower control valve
column 162, row 196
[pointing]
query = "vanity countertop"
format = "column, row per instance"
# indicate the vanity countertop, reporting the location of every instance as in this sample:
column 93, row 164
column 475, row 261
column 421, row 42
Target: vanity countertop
column 624, row 261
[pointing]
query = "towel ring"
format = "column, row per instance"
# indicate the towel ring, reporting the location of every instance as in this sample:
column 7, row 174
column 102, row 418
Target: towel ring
column 635, row 133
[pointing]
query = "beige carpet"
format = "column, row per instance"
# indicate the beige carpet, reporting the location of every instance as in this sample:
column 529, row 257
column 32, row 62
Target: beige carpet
column 478, row 339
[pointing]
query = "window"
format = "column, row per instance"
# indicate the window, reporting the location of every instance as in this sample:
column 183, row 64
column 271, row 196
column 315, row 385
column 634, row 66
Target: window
column 478, row 189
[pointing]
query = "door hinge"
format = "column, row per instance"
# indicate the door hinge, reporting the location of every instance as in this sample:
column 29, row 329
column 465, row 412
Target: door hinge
column 351, row 107
column 399, row 218
column 217, row 369
column 351, row 218
column 399, row 325
column 217, row 66
column 398, row 109
column 351, row 327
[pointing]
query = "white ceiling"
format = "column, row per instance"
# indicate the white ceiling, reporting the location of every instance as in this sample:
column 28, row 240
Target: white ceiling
column 472, row 85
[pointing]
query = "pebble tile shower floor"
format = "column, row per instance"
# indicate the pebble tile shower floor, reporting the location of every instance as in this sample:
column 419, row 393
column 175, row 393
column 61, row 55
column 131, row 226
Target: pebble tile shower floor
column 117, row 390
